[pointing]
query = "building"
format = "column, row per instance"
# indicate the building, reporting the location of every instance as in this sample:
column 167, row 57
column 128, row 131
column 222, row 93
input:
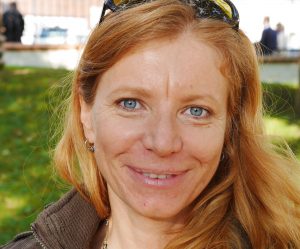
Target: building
column 56, row 21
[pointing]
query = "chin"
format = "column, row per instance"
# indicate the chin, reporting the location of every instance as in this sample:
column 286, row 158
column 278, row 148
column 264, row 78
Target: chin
column 163, row 208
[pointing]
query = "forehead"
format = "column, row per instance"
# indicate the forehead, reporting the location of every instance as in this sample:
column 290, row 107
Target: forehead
column 184, row 62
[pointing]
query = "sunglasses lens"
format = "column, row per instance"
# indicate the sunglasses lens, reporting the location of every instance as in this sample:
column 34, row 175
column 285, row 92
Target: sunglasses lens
column 223, row 10
column 119, row 2
column 224, row 6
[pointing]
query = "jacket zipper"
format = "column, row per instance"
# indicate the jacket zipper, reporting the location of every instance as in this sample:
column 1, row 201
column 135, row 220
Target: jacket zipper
column 36, row 238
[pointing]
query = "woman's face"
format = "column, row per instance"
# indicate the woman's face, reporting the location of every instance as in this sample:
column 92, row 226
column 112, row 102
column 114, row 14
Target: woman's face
column 158, row 125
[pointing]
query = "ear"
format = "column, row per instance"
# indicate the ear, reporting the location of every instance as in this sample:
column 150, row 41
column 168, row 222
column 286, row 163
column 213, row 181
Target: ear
column 87, row 120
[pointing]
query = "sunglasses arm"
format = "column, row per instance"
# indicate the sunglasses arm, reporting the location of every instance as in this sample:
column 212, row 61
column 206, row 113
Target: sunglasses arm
column 104, row 9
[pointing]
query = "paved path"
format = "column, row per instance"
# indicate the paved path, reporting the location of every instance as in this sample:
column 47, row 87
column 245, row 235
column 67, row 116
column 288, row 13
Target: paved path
column 43, row 58
column 280, row 73
column 69, row 59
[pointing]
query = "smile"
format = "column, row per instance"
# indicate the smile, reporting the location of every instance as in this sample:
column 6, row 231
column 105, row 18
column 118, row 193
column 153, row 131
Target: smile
column 155, row 176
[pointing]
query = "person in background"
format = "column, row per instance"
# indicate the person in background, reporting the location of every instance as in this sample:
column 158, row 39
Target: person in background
column 268, row 39
column 13, row 23
column 164, row 142
column 2, row 40
column 281, row 38
column 2, row 29
column 1, row 23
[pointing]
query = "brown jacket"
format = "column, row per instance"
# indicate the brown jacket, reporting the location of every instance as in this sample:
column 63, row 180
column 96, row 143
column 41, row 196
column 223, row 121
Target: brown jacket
column 70, row 223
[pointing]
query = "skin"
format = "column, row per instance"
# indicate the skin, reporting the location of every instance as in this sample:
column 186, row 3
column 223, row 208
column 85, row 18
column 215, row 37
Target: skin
column 161, row 109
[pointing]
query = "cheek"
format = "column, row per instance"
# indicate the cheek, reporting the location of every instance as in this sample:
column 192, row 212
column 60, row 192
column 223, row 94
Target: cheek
column 206, row 144
column 114, row 135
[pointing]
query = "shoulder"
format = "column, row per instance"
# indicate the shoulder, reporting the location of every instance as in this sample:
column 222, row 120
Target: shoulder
column 268, row 30
column 24, row 240
column 69, row 223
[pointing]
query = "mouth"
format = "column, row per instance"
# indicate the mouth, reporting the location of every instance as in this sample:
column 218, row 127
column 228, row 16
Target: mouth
column 157, row 178
column 154, row 173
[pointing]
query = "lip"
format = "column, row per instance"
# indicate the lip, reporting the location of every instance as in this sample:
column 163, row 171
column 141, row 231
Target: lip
column 174, row 178
column 157, row 171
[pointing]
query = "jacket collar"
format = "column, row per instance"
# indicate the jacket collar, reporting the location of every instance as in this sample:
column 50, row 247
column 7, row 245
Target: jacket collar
column 69, row 223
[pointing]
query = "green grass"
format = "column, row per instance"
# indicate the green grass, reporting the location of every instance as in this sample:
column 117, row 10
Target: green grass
column 290, row 131
column 281, row 119
column 26, row 179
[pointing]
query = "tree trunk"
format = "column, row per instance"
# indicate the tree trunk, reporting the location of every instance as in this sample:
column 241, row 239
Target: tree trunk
column 297, row 97
column 2, row 39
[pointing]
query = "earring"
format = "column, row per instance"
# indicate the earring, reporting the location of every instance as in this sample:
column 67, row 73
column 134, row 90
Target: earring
column 222, row 157
column 89, row 146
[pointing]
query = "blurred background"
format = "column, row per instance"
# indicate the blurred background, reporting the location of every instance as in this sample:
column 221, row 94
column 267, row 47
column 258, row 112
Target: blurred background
column 56, row 21
column 69, row 21
column 65, row 25
column 252, row 14
column 54, row 34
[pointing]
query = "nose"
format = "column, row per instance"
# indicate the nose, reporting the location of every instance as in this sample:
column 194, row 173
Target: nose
column 162, row 136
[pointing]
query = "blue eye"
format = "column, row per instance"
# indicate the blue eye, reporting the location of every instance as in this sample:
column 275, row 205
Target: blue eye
column 129, row 104
column 197, row 112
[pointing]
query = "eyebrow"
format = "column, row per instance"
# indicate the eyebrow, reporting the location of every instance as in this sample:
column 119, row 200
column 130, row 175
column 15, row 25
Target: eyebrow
column 191, row 98
column 146, row 93
column 138, row 91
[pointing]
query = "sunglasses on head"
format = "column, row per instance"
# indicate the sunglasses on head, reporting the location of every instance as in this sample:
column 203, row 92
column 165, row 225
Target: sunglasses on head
column 223, row 10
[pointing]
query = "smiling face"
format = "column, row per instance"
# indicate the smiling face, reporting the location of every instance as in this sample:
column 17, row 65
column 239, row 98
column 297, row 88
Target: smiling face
column 158, row 124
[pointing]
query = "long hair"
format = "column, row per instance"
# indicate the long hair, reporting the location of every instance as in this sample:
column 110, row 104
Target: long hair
column 254, row 196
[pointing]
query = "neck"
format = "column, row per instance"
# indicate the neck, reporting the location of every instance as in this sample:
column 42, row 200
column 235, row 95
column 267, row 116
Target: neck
column 131, row 230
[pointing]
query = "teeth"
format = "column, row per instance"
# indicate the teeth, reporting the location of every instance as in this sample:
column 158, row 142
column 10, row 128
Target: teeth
column 163, row 176
column 154, row 176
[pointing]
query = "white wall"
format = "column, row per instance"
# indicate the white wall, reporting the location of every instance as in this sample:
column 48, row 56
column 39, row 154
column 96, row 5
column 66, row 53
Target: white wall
column 251, row 12
column 77, row 27
column 287, row 12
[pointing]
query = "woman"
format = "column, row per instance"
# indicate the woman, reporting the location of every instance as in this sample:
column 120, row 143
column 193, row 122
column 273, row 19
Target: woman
column 164, row 139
